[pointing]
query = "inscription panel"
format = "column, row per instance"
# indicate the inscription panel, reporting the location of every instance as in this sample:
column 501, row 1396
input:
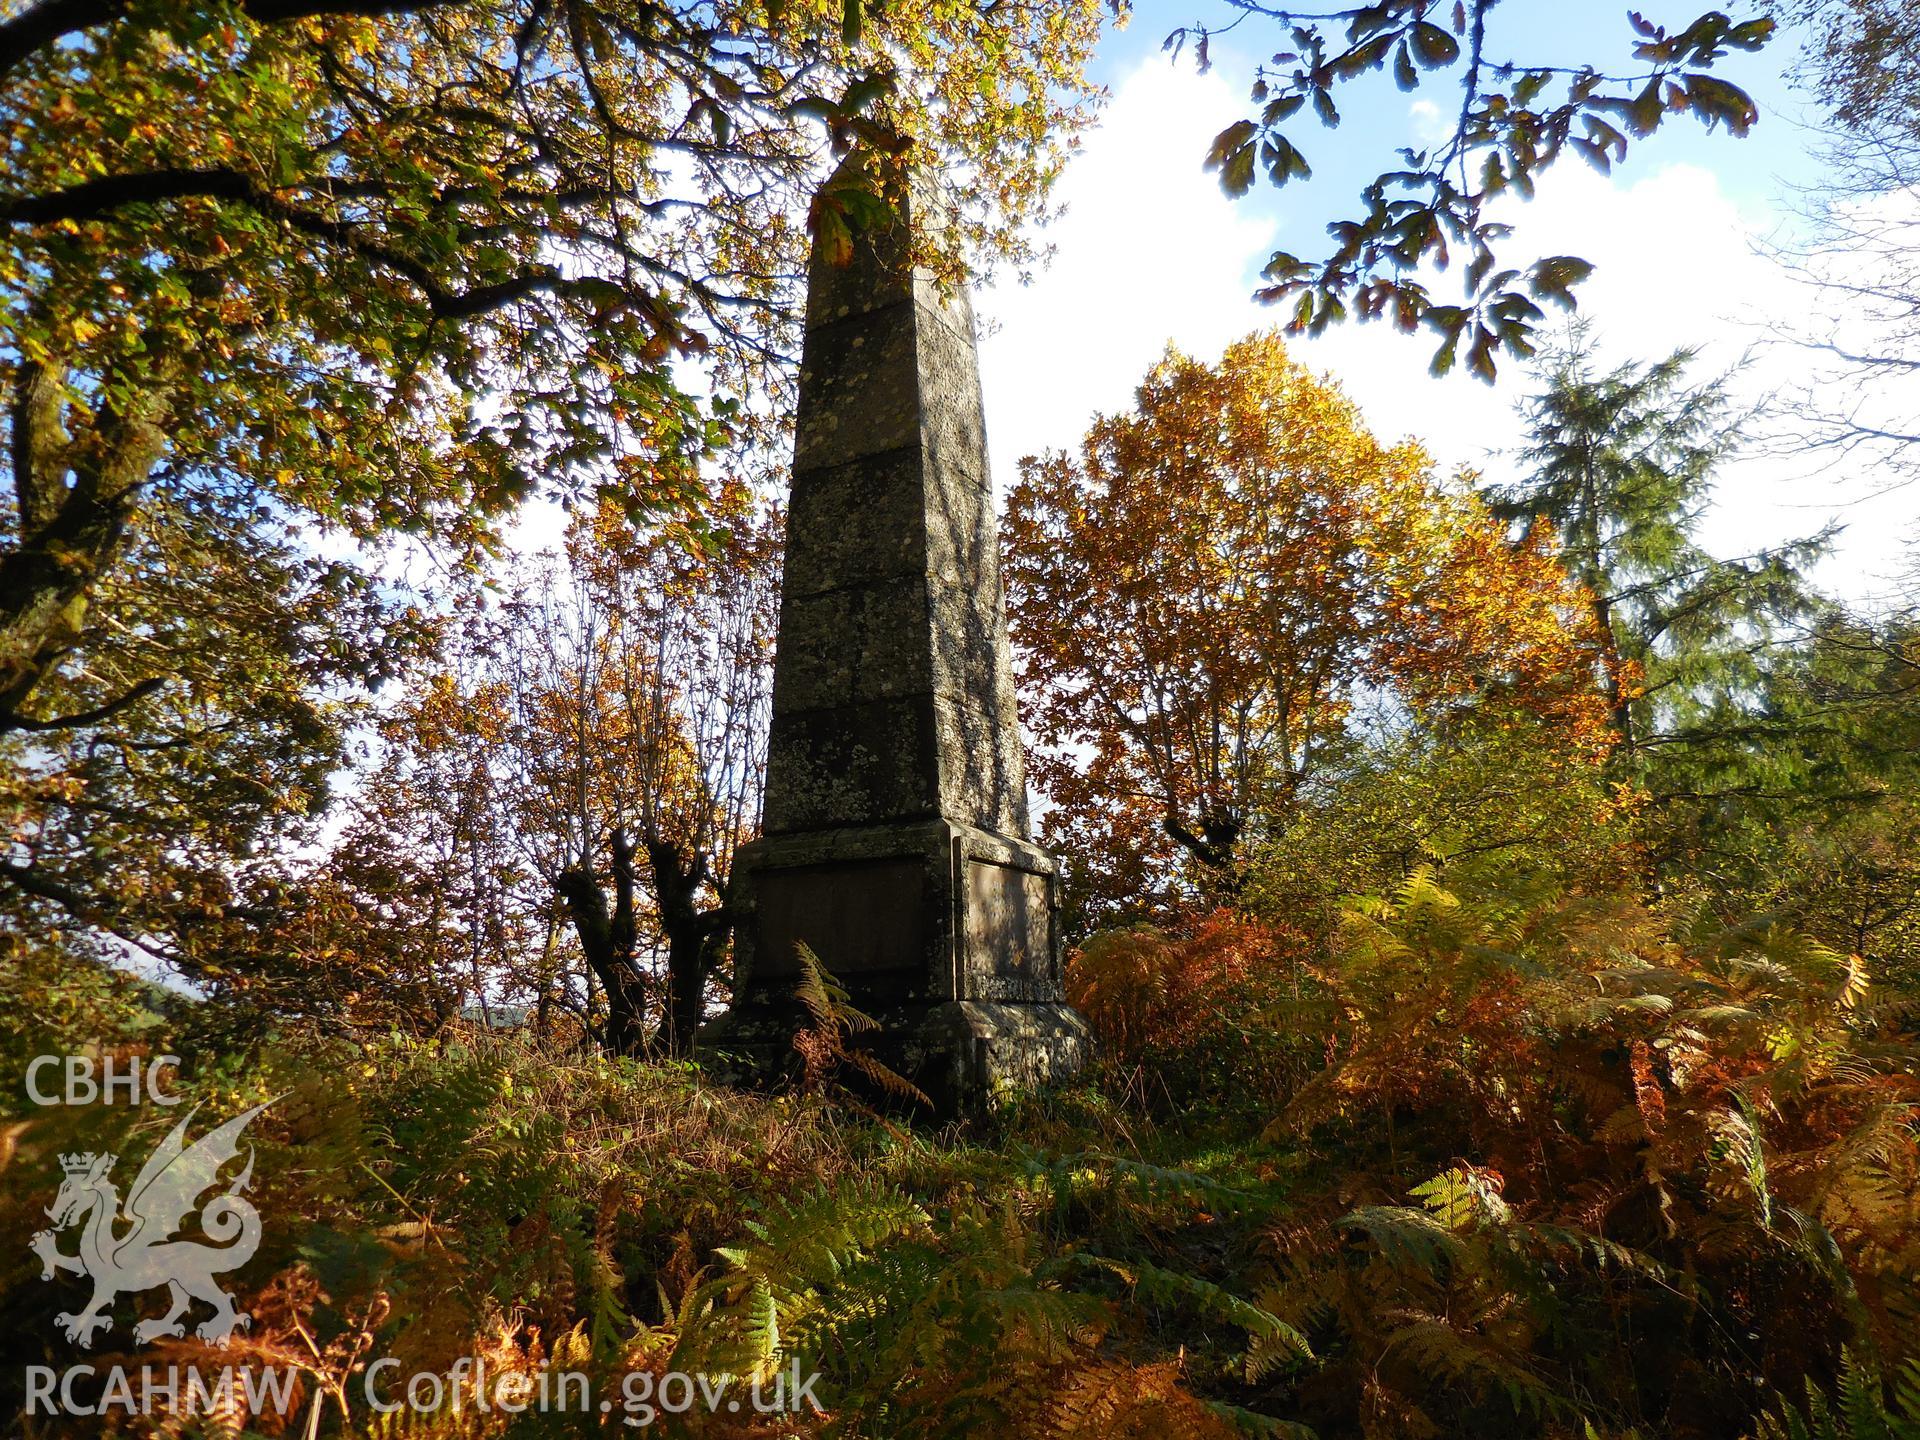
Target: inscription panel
column 1009, row 922
column 859, row 916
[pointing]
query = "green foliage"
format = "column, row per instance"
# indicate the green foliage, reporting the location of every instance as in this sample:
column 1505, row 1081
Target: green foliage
column 1436, row 206
column 1858, row 1410
column 1501, row 1147
column 1622, row 467
column 1508, row 804
column 1564, row 1156
column 781, row 1288
column 224, row 670
column 1831, row 839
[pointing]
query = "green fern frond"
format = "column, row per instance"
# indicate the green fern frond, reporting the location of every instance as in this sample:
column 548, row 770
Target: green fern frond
column 810, row 1241
column 609, row 1324
column 1140, row 1185
column 1462, row 1199
column 1271, row 1338
column 1436, row 1348
column 1863, row 1403
column 1906, row 1391
column 1859, row 1410
column 1406, row 1237
column 760, row 1330
column 1737, row 1146
column 773, row 1287
column 1575, row 1243
column 1251, row 1422
column 1043, row 1326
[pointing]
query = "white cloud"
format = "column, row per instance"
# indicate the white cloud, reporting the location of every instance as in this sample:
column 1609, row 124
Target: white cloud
column 1151, row 251
column 1148, row 251
column 1430, row 126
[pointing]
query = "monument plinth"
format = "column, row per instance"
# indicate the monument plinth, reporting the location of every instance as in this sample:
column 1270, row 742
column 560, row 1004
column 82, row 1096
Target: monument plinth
column 896, row 842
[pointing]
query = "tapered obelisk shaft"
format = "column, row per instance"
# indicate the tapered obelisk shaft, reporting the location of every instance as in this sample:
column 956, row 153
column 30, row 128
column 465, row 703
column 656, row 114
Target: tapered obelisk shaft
column 896, row 844
column 893, row 694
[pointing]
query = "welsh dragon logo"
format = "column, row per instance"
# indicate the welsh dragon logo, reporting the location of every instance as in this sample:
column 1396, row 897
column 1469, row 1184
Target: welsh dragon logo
column 127, row 1251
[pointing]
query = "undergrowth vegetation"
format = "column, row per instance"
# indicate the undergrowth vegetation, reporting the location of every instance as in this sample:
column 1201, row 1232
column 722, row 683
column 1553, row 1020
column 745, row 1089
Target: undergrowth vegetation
column 1450, row 1174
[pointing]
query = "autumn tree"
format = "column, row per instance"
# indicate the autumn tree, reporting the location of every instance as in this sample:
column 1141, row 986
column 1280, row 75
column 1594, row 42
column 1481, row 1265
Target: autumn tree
column 588, row 756
column 670, row 744
column 380, row 270
column 1207, row 591
column 390, row 928
column 1863, row 63
column 196, row 728
column 428, row 849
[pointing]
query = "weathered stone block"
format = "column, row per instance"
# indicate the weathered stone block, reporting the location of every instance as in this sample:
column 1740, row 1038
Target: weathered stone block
column 856, row 523
column 859, row 389
column 969, row 1054
column 953, row 422
column 843, row 647
column 945, row 933
column 879, row 274
column 870, row 913
column 1009, row 938
column 859, row 764
column 983, row 782
column 962, row 540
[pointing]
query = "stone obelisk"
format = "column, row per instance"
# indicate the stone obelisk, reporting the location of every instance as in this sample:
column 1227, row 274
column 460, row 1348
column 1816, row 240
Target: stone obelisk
column 896, row 843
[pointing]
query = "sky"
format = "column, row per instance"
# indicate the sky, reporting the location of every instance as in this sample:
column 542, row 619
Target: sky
column 1150, row 252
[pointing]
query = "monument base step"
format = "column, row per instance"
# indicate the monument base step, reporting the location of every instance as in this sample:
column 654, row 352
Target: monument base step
column 965, row 1055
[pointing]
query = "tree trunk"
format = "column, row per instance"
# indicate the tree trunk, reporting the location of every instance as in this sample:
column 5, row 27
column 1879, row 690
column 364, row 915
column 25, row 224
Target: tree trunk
column 607, row 942
column 1216, row 847
column 1619, row 702
column 70, row 534
column 691, row 933
column 543, row 1004
column 686, row 986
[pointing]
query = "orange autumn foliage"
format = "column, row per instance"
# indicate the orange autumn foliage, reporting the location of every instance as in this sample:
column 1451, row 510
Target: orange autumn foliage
column 1204, row 593
column 1563, row 1114
column 1149, row 993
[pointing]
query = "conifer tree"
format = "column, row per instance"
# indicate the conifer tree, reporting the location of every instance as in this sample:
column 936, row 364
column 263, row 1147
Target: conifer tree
column 1621, row 464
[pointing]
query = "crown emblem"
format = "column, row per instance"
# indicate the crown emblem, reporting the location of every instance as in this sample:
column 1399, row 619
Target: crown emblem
column 78, row 1164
